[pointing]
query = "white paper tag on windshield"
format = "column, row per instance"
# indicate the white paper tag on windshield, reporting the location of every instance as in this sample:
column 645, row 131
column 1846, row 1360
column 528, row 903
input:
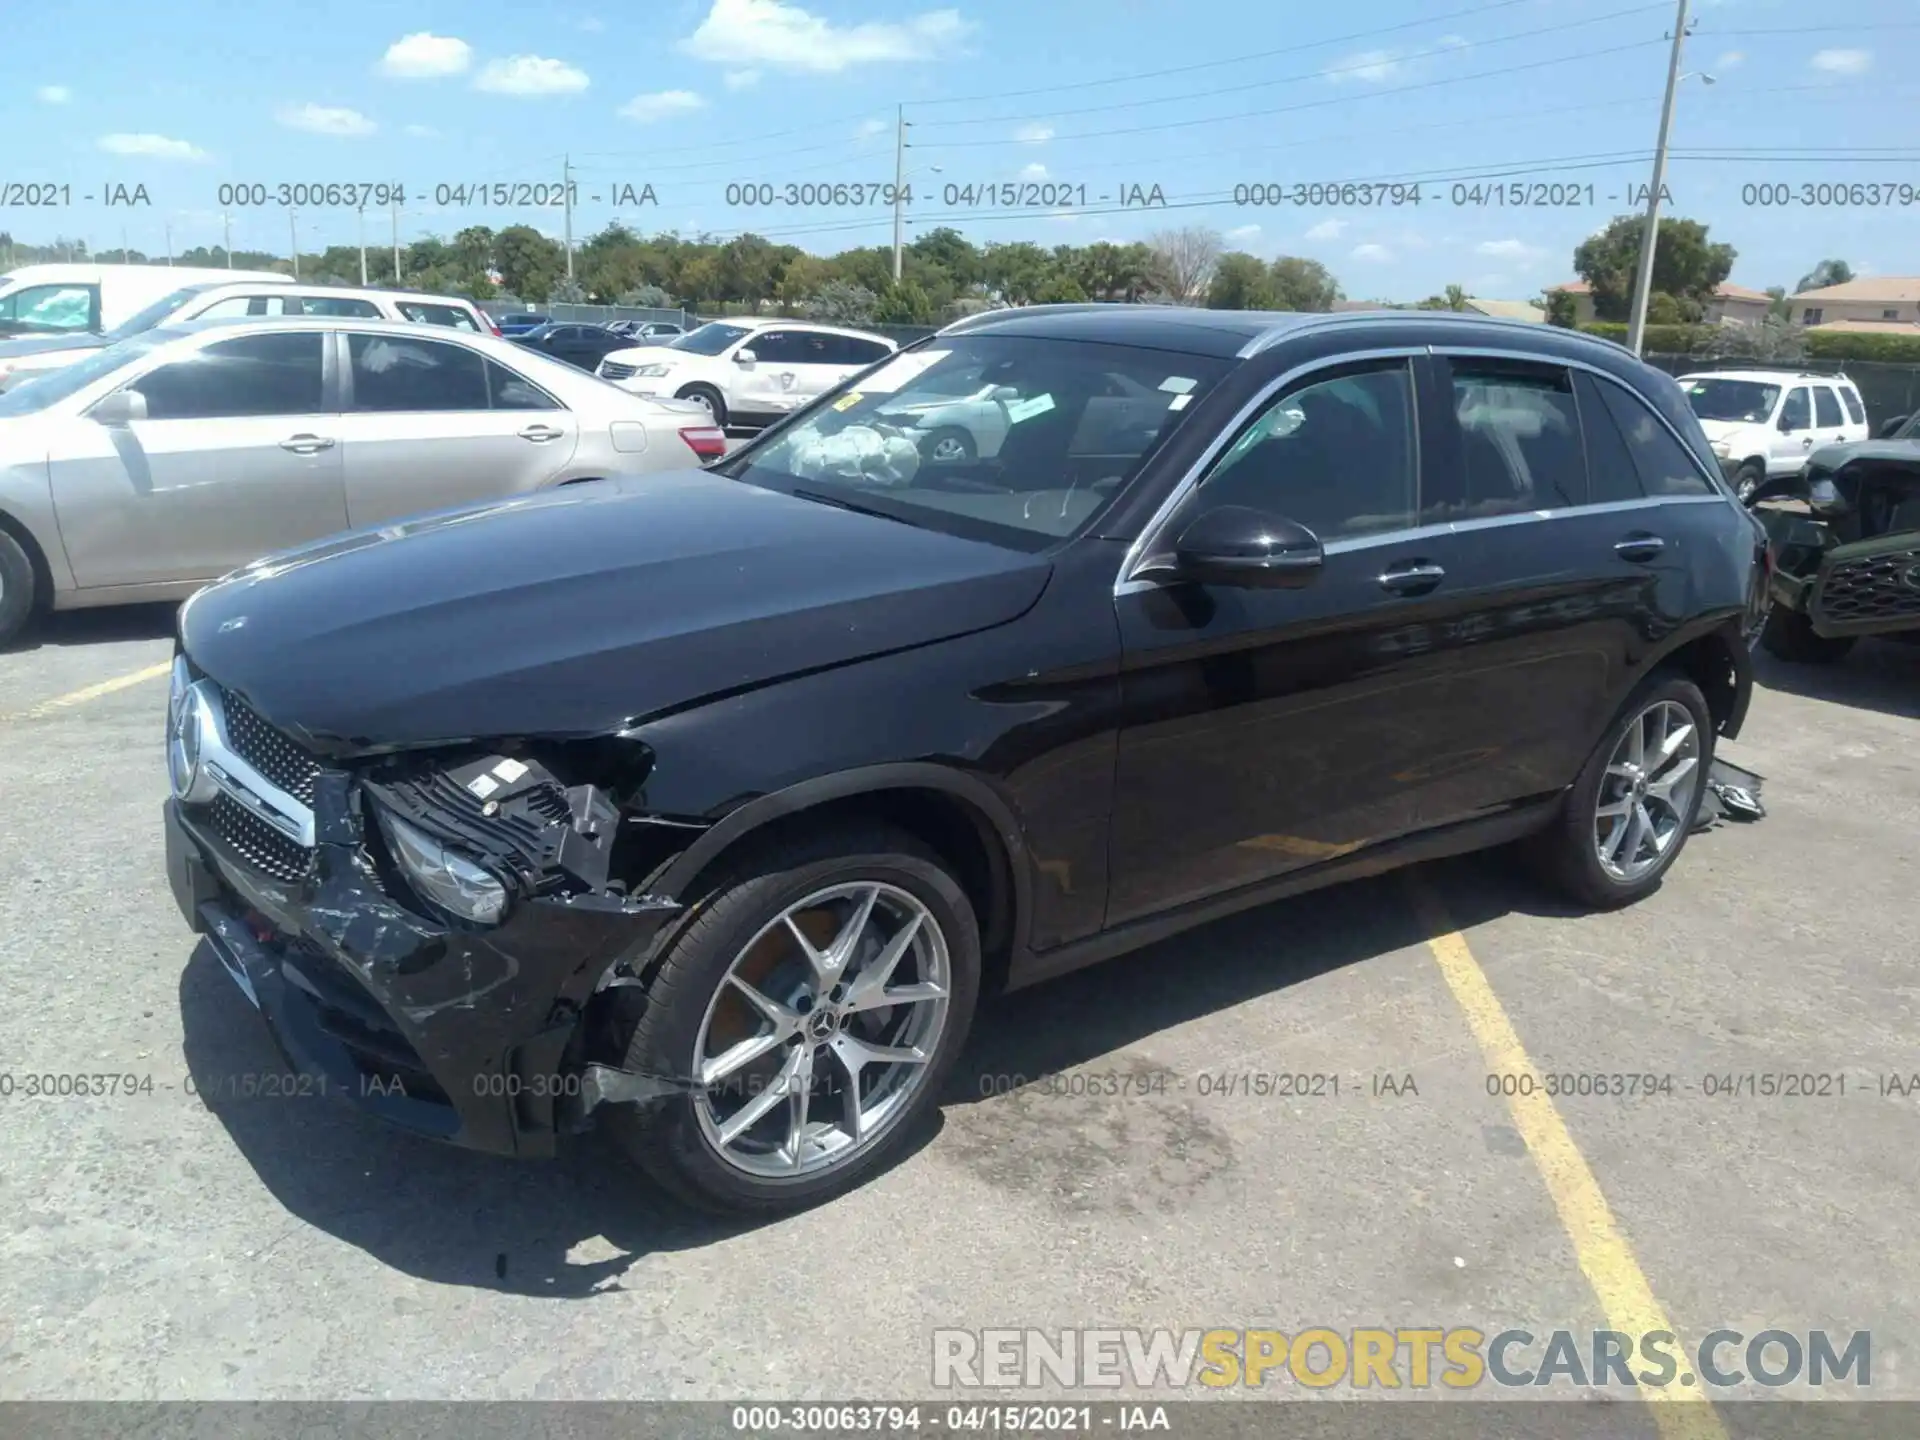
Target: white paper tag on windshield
column 899, row 370
column 1019, row 410
column 1178, row 384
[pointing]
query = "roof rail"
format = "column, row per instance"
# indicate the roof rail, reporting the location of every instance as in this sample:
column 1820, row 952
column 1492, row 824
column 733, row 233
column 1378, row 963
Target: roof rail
column 982, row 318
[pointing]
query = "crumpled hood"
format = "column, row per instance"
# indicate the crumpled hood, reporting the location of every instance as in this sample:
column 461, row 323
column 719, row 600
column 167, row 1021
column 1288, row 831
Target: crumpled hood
column 1900, row 452
column 574, row 611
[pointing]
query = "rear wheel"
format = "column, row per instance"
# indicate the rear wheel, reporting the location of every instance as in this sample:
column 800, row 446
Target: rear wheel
column 949, row 445
column 1789, row 635
column 813, row 1004
column 708, row 396
column 1628, row 815
column 18, row 589
column 1747, row 480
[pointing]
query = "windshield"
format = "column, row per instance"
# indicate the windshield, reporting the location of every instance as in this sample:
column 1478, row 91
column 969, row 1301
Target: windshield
column 31, row 396
column 1748, row 401
column 1015, row 440
column 158, row 311
column 710, row 339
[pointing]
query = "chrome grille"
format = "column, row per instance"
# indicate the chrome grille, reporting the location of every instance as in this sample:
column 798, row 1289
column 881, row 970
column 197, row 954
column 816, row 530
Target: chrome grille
column 268, row 751
column 610, row 370
column 1884, row 586
column 258, row 843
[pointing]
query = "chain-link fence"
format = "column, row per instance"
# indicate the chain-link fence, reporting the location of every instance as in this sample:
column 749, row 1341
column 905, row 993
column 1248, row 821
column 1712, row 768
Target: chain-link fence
column 591, row 314
column 1886, row 388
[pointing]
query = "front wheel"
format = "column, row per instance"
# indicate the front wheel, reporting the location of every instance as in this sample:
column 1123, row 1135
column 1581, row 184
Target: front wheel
column 1747, row 480
column 1628, row 815
column 813, row 1005
column 18, row 600
column 709, row 397
column 1790, row 636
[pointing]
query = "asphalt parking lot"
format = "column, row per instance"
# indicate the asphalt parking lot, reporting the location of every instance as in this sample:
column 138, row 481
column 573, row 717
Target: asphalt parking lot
column 180, row 1244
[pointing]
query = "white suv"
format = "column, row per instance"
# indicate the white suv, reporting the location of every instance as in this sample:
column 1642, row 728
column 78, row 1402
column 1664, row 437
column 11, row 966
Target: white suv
column 1765, row 422
column 746, row 372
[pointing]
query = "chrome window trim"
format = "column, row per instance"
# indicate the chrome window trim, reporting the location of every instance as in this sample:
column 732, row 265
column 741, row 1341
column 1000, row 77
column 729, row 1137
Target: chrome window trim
column 1185, row 485
column 236, row 778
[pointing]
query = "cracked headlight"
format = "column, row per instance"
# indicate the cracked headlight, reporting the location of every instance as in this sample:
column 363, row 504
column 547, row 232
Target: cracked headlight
column 453, row 883
column 652, row 372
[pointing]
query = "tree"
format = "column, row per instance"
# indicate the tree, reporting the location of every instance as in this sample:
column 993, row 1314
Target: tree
column 1240, row 282
column 1017, row 272
column 1059, row 288
column 1455, row 299
column 952, row 252
column 1562, row 309
column 1780, row 307
column 746, row 269
column 1775, row 339
column 1300, row 284
column 1663, row 309
column 1827, row 272
column 841, row 302
column 1685, row 265
column 1187, row 257
column 530, row 264
column 568, row 291
column 904, row 304
column 647, row 297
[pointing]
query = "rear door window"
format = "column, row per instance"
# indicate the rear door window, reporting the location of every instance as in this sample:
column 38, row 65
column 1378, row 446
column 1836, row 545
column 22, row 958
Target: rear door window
column 339, row 307
column 1612, row 475
column 1827, row 414
column 1520, row 438
column 1665, row 466
column 400, row 373
column 451, row 316
column 1797, row 412
column 1856, row 412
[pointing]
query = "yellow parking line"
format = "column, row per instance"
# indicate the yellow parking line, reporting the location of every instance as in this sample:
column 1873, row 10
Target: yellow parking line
column 1603, row 1252
column 90, row 692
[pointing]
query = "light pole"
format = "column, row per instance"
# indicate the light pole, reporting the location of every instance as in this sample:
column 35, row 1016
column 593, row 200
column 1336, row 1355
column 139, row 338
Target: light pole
column 899, row 182
column 363, row 247
column 1650, row 234
column 293, row 239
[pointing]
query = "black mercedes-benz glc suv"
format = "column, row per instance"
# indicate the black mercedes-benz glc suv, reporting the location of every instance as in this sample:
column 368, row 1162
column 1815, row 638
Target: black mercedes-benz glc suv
column 707, row 805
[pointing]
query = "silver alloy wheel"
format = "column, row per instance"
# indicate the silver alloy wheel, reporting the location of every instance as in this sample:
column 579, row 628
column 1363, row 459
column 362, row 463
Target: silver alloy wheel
column 1748, row 484
column 822, row 1030
column 1646, row 796
column 949, row 449
column 704, row 401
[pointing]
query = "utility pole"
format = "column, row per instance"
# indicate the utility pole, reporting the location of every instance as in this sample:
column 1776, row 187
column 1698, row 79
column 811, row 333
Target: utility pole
column 1649, row 237
column 126, row 252
column 396, row 242
column 566, row 199
column 293, row 239
column 363, row 246
column 899, row 180
column 226, row 236
column 169, row 244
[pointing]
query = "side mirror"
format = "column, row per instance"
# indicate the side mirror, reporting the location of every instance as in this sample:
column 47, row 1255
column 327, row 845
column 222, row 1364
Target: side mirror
column 744, row 359
column 1889, row 427
column 1785, row 425
column 120, row 408
column 1236, row 546
column 1003, row 393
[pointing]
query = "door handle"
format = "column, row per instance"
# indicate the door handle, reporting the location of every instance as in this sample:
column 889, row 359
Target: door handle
column 306, row 444
column 1415, row 578
column 1639, row 548
column 539, row 434
column 1807, row 444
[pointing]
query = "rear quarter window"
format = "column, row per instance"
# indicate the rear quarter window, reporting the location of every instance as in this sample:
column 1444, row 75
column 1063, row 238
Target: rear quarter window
column 1856, row 412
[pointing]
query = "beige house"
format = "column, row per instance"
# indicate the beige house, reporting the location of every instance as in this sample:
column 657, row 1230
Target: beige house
column 1731, row 304
column 1508, row 309
column 1885, row 298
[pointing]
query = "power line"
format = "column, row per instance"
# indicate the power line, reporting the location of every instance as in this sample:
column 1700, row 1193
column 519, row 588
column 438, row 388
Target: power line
column 1318, row 104
column 1350, row 37
column 1311, row 75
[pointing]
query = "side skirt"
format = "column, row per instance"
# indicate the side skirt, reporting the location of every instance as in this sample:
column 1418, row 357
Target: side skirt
column 1029, row 968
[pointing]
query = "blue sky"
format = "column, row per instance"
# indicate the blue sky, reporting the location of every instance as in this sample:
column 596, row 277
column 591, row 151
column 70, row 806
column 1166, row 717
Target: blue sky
column 690, row 95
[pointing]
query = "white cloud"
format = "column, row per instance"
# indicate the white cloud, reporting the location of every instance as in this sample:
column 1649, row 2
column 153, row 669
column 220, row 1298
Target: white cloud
column 741, row 79
column 592, row 24
column 1371, row 251
column 1732, row 60
column 1517, row 250
column 787, row 37
column 150, row 147
column 1456, row 42
column 530, row 75
column 870, row 128
column 661, row 106
column 53, row 94
column 422, row 132
column 1033, row 134
column 1327, row 230
column 1035, row 171
column 424, row 56
column 1243, row 232
column 1369, row 65
column 325, row 120
column 1842, row 62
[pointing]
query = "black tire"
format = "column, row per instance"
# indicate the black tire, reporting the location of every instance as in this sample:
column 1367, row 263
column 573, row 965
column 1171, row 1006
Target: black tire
column 1747, row 479
column 665, row 1138
column 709, row 397
column 934, row 439
column 1564, row 855
column 19, row 589
column 1789, row 635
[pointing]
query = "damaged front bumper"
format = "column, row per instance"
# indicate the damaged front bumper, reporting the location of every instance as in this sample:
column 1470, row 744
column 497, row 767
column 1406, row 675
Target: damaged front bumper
column 465, row 1035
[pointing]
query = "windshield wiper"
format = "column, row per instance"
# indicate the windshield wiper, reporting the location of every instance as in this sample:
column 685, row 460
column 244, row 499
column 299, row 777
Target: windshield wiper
column 825, row 499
